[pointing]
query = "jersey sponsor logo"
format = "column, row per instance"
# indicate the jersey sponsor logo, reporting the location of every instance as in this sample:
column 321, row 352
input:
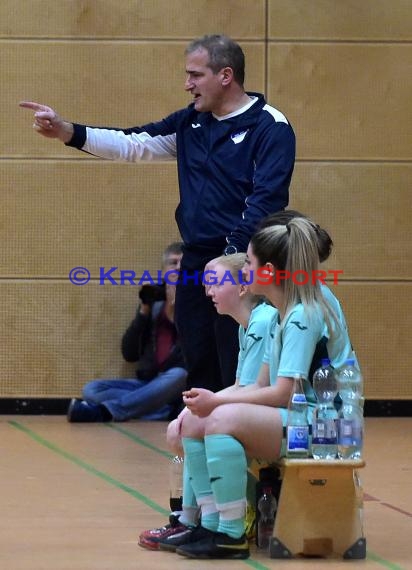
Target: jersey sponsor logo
column 238, row 137
column 300, row 327
column 255, row 337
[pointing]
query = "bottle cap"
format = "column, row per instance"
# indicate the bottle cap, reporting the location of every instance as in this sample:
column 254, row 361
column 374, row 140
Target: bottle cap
column 350, row 362
column 325, row 361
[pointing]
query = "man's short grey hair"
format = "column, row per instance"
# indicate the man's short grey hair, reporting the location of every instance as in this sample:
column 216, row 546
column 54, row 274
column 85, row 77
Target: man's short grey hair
column 175, row 248
column 223, row 52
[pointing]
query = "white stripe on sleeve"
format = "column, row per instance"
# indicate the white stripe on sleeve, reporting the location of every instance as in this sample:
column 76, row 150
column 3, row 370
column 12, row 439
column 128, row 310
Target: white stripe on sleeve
column 116, row 145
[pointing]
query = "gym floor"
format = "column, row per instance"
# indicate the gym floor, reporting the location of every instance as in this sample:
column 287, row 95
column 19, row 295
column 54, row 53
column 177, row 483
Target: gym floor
column 76, row 496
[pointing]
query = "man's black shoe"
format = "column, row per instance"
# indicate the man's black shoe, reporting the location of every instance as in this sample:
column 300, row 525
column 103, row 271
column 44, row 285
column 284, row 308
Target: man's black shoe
column 217, row 545
column 82, row 411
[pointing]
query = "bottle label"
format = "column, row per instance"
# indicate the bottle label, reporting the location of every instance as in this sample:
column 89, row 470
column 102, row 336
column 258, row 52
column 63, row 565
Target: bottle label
column 350, row 433
column 299, row 399
column 324, row 432
column 298, row 438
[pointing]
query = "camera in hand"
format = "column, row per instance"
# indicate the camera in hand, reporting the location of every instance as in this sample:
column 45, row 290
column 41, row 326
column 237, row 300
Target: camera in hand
column 149, row 294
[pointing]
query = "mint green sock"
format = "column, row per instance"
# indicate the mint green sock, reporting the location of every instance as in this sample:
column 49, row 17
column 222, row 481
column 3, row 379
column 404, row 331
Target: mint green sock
column 227, row 465
column 196, row 464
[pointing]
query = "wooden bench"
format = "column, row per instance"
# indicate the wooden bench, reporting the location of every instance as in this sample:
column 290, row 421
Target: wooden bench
column 320, row 509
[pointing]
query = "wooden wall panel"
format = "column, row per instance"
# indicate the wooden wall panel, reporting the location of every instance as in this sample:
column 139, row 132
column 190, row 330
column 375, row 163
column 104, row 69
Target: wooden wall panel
column 162, row 19
column 367, row 209
column 379, row 318
column 333, row 20
column 55, row 336
column 346, row 101
column 58, row 215
column 99, row 83
column 341, row 73
column 62, row 335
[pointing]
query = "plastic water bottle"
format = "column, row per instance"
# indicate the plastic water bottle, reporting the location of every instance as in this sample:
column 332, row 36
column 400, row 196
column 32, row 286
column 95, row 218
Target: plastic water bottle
column 176, row 483
column 267, row 506
column 350, row 381
column 350, row 439
column 350, row 431
column 268, row 477
column 297, row 429
column 325, row 416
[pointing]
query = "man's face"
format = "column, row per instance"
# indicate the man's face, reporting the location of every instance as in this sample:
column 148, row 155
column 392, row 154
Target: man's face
column 172, row 263
column 205, row 86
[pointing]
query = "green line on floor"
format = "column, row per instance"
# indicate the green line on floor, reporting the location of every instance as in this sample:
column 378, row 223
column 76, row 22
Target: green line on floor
column 80, row 463
column 254, row 564
column 89, row 468
column 139, row 440
column 382, row 561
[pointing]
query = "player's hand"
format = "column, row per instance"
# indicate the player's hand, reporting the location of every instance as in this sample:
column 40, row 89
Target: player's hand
column 200, row 401
column 48, row 123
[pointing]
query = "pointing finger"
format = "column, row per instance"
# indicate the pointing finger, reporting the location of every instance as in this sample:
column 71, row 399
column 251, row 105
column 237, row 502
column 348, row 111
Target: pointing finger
column 34, row 106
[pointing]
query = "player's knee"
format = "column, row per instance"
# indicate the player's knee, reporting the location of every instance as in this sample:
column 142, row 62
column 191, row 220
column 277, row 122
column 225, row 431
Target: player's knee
column 221, row 420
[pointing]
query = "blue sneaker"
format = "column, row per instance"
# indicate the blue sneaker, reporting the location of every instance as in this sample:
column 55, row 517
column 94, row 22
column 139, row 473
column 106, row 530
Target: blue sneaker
column 82, row 411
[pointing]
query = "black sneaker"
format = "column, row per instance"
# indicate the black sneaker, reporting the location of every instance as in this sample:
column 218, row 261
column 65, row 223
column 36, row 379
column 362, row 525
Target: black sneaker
column 217, row 545
column 186, row 536
column 82, row 411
